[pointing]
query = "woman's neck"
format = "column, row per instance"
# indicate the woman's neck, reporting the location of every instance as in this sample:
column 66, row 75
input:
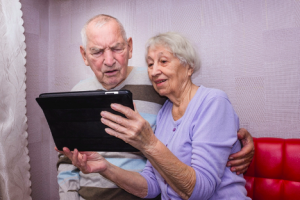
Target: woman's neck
column 182, row 99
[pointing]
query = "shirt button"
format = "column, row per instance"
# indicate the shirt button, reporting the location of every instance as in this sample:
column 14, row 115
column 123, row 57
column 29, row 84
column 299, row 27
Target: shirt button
column 174, row 129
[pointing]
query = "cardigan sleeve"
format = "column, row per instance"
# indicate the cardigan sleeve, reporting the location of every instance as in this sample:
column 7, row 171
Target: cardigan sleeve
column 213, row 133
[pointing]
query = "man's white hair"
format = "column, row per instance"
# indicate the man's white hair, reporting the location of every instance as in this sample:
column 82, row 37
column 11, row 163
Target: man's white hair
column 178, row 45
column 100, row 20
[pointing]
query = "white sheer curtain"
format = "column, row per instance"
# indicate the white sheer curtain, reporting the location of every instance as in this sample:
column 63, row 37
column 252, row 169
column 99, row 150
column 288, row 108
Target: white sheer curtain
column 14, row 161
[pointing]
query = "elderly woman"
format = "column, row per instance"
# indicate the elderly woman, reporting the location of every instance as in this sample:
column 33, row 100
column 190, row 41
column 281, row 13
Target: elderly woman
column 195, row 133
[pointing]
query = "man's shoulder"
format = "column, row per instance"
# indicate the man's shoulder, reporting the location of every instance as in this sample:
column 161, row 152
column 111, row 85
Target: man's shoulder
column 90, row 83
column 138, row 76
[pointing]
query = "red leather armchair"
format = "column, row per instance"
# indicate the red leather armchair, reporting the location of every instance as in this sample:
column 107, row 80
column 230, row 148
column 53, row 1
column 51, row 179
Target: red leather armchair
column 275, row 170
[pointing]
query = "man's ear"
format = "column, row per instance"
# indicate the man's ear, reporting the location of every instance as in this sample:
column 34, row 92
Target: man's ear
column 83, row 54
column 130, row 47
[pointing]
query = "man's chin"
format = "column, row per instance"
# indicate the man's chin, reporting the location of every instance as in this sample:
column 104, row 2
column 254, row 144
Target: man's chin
column 112, row 82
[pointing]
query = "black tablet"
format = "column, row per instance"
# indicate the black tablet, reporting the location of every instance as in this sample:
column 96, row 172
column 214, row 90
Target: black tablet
column 74, row 119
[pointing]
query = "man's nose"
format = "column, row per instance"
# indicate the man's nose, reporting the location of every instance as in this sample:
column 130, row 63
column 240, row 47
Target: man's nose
column 109, row 59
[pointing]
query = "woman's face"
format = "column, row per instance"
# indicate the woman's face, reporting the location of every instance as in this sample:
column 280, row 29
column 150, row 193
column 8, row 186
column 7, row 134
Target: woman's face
column 167, row 74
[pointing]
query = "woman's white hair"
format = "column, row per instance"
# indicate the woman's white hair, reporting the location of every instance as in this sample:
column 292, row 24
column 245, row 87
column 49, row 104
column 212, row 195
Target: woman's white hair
column 178, row 45
column 100, row 20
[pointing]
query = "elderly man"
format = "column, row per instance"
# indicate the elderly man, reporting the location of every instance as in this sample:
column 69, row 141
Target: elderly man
column 107, row 50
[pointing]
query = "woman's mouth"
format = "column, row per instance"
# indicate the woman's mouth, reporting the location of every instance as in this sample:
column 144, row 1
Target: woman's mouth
column 160, row 82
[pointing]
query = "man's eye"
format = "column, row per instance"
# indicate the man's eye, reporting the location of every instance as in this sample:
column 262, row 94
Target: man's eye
column 163, row 61
column 98, row 53
column 150, row 64
column 117, row 50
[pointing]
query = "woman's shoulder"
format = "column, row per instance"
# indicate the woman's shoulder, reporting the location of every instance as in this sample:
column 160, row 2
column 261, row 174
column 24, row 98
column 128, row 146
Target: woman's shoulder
column 208, row 94
column 167, row 106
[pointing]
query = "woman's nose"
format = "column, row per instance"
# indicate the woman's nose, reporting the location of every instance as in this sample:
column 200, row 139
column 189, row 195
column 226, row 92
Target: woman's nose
column 109, row 59
column 155, row 70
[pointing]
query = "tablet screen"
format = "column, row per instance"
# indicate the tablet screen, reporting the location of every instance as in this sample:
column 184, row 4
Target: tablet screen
column 74, row 119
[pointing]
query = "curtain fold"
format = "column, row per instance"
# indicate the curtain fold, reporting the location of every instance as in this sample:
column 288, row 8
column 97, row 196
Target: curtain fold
column 14, row 160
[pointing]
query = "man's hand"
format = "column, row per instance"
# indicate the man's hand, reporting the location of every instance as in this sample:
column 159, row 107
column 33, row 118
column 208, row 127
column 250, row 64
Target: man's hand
column 87, row 162
column 240, row 161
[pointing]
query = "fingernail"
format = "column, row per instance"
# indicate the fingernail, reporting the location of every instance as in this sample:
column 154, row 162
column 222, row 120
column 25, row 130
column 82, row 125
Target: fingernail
column 233, row 169
column 228, row 165
column 230, row 158
column 114, row 105
column 103, row 113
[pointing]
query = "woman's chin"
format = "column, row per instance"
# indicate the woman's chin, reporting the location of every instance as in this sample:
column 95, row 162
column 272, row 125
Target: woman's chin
column 162, row 92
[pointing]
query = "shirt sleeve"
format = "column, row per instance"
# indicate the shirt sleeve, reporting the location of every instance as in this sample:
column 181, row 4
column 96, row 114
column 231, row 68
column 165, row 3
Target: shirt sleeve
column 213, row 133
column 153, row 186
column 68, row 182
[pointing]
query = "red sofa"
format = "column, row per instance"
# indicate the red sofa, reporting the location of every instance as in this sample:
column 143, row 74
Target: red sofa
column 274, row 173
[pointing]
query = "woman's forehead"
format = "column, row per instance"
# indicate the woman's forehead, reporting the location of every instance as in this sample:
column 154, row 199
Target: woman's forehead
column 159, row 49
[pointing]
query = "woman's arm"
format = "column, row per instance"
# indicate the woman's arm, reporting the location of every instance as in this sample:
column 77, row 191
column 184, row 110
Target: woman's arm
column 179, row 176
column 137, row 132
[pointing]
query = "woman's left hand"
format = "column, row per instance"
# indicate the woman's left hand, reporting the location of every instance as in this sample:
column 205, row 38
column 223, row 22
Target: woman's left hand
column 134, row 129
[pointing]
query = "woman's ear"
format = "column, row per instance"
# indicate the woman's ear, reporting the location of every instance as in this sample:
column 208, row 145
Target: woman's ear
column 190, row 70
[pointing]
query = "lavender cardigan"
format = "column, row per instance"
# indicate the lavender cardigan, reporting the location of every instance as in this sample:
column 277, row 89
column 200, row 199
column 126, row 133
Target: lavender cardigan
column 202, row 138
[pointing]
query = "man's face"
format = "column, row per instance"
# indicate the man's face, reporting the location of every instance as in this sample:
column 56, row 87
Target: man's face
column 107, row 53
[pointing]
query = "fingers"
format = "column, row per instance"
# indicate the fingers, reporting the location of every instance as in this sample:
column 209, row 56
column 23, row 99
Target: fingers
column 79, row 160
column 128, row 112
column 67, row 153
column 245, row 137
column 239, row 165
column 135, row 109
column 75, row 158
column 117, row 124
column 246, row 151
column 240, row 170
column 242, row 133
column 239, row 162
column 116, row 134
column 114, row 118
column 56, row 149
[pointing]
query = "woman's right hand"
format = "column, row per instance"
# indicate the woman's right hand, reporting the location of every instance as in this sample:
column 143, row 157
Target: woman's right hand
column 87, row 162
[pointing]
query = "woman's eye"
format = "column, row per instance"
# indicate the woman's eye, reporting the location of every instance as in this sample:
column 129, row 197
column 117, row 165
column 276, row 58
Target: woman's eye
column 163, row 61
column 150, row 64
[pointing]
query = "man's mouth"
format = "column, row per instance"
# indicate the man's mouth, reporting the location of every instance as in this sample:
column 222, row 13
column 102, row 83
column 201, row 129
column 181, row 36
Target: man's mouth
column 111, row 72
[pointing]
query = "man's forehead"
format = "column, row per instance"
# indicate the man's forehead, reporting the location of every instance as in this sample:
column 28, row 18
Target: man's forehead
column 109, row 28
column 105, row 36
column 114, row 45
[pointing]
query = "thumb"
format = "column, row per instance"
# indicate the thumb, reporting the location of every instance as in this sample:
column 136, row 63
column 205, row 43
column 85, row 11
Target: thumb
column 134, row 106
